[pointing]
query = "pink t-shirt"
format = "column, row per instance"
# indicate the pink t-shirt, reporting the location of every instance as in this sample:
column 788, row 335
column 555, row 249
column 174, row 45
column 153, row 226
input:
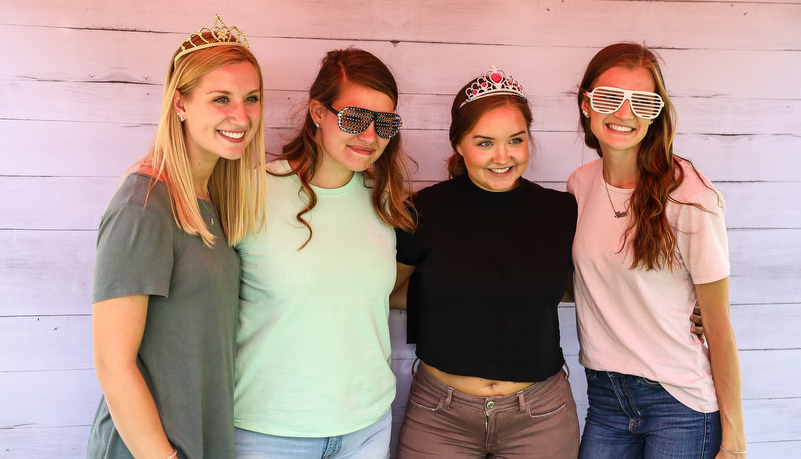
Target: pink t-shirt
column 634, row 321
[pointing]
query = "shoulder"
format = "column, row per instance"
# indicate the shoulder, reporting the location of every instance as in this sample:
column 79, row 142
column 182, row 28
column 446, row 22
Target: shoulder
column 543, row 199
column 695, row 187
column 583, row 174
column 278, row 166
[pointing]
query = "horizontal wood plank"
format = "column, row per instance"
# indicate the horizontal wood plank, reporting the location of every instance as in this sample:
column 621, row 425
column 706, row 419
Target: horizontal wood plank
column 737, row 25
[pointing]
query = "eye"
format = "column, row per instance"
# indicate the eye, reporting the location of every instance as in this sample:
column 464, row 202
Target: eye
column 252, row 99
column 221, row 99
column 516, row 141
column 485, row 143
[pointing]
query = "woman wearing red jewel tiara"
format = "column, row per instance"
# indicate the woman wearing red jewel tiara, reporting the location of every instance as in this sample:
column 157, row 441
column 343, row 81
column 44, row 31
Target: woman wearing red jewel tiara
column 489, row 264
column 650, row 242
column 166, row 278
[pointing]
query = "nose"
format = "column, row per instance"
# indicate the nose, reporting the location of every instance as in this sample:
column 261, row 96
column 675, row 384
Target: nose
column 625, row 112
column 501, row 155
column 238, row 113
column 369, row 134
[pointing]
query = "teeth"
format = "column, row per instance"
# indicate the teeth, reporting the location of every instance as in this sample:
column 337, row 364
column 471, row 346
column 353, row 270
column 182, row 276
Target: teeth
column 502, row 171
column 617, row 128
column 233, row 135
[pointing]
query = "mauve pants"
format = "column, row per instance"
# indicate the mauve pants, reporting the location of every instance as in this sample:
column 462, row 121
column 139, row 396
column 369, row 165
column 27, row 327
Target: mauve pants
column 538, row 422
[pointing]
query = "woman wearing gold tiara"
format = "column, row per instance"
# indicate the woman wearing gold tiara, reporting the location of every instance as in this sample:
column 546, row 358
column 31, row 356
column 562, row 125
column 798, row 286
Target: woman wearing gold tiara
column 650, row 241
column 313, row 376
column 489, row 264
column 166, row 278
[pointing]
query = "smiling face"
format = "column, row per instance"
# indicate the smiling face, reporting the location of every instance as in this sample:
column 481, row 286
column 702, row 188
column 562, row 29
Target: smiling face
column 342, row 154
column 222, row 113
column 496, row 150
column 621, row 131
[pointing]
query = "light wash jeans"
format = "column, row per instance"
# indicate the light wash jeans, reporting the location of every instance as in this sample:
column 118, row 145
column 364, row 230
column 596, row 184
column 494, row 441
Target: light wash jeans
column 372, row 442
column 633, row 417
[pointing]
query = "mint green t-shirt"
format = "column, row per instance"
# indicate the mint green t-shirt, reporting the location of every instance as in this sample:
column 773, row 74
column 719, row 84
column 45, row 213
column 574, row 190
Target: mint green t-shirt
column 313, row 348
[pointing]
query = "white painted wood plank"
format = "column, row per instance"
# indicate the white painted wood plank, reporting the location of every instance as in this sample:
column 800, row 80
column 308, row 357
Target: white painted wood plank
column 78, row 203
column 46, row 272
column 99, row 103
column 767, row 326
column 132, row 57
column 764, row 266
column 736, row 25
column 72, row 203
column 45, row 343
column 44, row 442
column 48, row 398
column 109, row 149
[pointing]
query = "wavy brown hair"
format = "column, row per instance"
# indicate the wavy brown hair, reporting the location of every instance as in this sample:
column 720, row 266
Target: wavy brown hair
column 389, row 176
column 652, row 240
column 465, row 117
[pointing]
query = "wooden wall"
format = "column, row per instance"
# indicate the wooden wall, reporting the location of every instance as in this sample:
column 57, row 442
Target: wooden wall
column 80, row 90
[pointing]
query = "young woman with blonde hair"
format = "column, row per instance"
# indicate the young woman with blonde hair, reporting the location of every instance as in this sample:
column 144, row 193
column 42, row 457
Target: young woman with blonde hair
column 166, row 278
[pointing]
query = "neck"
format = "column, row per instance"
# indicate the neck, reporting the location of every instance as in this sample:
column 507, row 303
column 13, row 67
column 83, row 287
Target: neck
column 620, row 171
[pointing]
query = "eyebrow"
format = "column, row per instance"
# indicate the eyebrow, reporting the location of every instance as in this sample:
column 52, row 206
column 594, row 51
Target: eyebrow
column 478, row 136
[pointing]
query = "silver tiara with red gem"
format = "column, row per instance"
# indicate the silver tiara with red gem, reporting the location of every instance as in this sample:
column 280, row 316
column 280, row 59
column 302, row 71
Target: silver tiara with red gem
column 220, row 33
column 494, row 82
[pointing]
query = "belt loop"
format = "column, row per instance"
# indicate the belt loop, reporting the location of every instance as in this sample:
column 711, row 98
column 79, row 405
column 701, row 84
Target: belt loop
column 521, row 399
column 447, row 403
column 414, row 366
column 568, row 370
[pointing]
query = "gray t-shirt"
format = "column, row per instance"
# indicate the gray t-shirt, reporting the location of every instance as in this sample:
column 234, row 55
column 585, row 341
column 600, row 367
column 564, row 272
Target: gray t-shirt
column 189, row 341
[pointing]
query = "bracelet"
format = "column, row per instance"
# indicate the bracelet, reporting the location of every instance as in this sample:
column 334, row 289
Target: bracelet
column 175, row 454
column 730, row 451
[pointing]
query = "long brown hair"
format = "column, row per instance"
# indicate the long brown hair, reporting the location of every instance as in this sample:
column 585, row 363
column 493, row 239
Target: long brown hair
column 465, row 117
column 236, row 186
column 652, row 241
column 389, row 176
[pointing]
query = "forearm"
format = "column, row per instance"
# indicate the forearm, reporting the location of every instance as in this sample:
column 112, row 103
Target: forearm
column 134, row 412
column 725, row 361
column 728, row 384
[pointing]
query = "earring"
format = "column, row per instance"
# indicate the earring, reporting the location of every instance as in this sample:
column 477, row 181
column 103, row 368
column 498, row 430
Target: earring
column 317, row 125
column 652, row 122
column 586, row 115
column 180, row 117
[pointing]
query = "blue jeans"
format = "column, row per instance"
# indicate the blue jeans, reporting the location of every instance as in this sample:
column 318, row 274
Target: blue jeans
column 372, row 442
column 634, row 417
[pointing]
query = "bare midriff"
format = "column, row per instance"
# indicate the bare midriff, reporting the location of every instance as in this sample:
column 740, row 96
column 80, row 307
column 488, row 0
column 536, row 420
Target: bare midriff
column 475, row 386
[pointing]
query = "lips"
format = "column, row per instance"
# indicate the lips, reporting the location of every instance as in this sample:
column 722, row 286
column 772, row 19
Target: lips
column 619, row 128
column 502, row 170
column 364, row 151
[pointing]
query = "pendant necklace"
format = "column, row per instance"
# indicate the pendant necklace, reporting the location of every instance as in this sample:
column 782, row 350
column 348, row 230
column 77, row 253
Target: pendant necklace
column 211, row 215
column 620, row 214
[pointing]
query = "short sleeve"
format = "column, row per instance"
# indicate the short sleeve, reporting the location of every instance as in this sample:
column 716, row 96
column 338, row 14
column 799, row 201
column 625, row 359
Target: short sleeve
column 702, row 240
column 134, row 253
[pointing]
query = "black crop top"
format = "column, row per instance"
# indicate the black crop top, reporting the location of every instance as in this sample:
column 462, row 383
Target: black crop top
column 490, row 270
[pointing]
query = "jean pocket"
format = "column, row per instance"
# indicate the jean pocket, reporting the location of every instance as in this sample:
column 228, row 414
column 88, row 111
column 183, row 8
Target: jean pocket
column 424, row 404
column 648, row 382
column 590, row 374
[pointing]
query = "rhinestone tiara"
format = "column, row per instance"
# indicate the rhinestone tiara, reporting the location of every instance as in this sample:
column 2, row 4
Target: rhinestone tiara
column 494, row 82
column 220, row 33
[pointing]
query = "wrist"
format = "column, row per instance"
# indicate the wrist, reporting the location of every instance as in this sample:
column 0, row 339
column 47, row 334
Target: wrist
column 175, row 454
column 733, row 451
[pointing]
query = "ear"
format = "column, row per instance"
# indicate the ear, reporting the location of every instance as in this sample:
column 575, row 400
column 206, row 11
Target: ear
column 459, row 150
column 585, row 103
column 317, row 110
column 178, row 103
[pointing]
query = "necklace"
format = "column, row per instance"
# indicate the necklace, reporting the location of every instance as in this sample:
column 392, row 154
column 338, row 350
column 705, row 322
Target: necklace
column 620, row 214
column 211, row 215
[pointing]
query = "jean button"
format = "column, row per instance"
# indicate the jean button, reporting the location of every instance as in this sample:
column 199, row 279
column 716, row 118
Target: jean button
column 490, row 404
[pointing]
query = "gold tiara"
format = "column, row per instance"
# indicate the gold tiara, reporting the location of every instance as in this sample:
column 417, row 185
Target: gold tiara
column 221, row 33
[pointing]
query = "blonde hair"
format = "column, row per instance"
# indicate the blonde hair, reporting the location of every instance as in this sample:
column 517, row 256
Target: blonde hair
column 236, row 186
